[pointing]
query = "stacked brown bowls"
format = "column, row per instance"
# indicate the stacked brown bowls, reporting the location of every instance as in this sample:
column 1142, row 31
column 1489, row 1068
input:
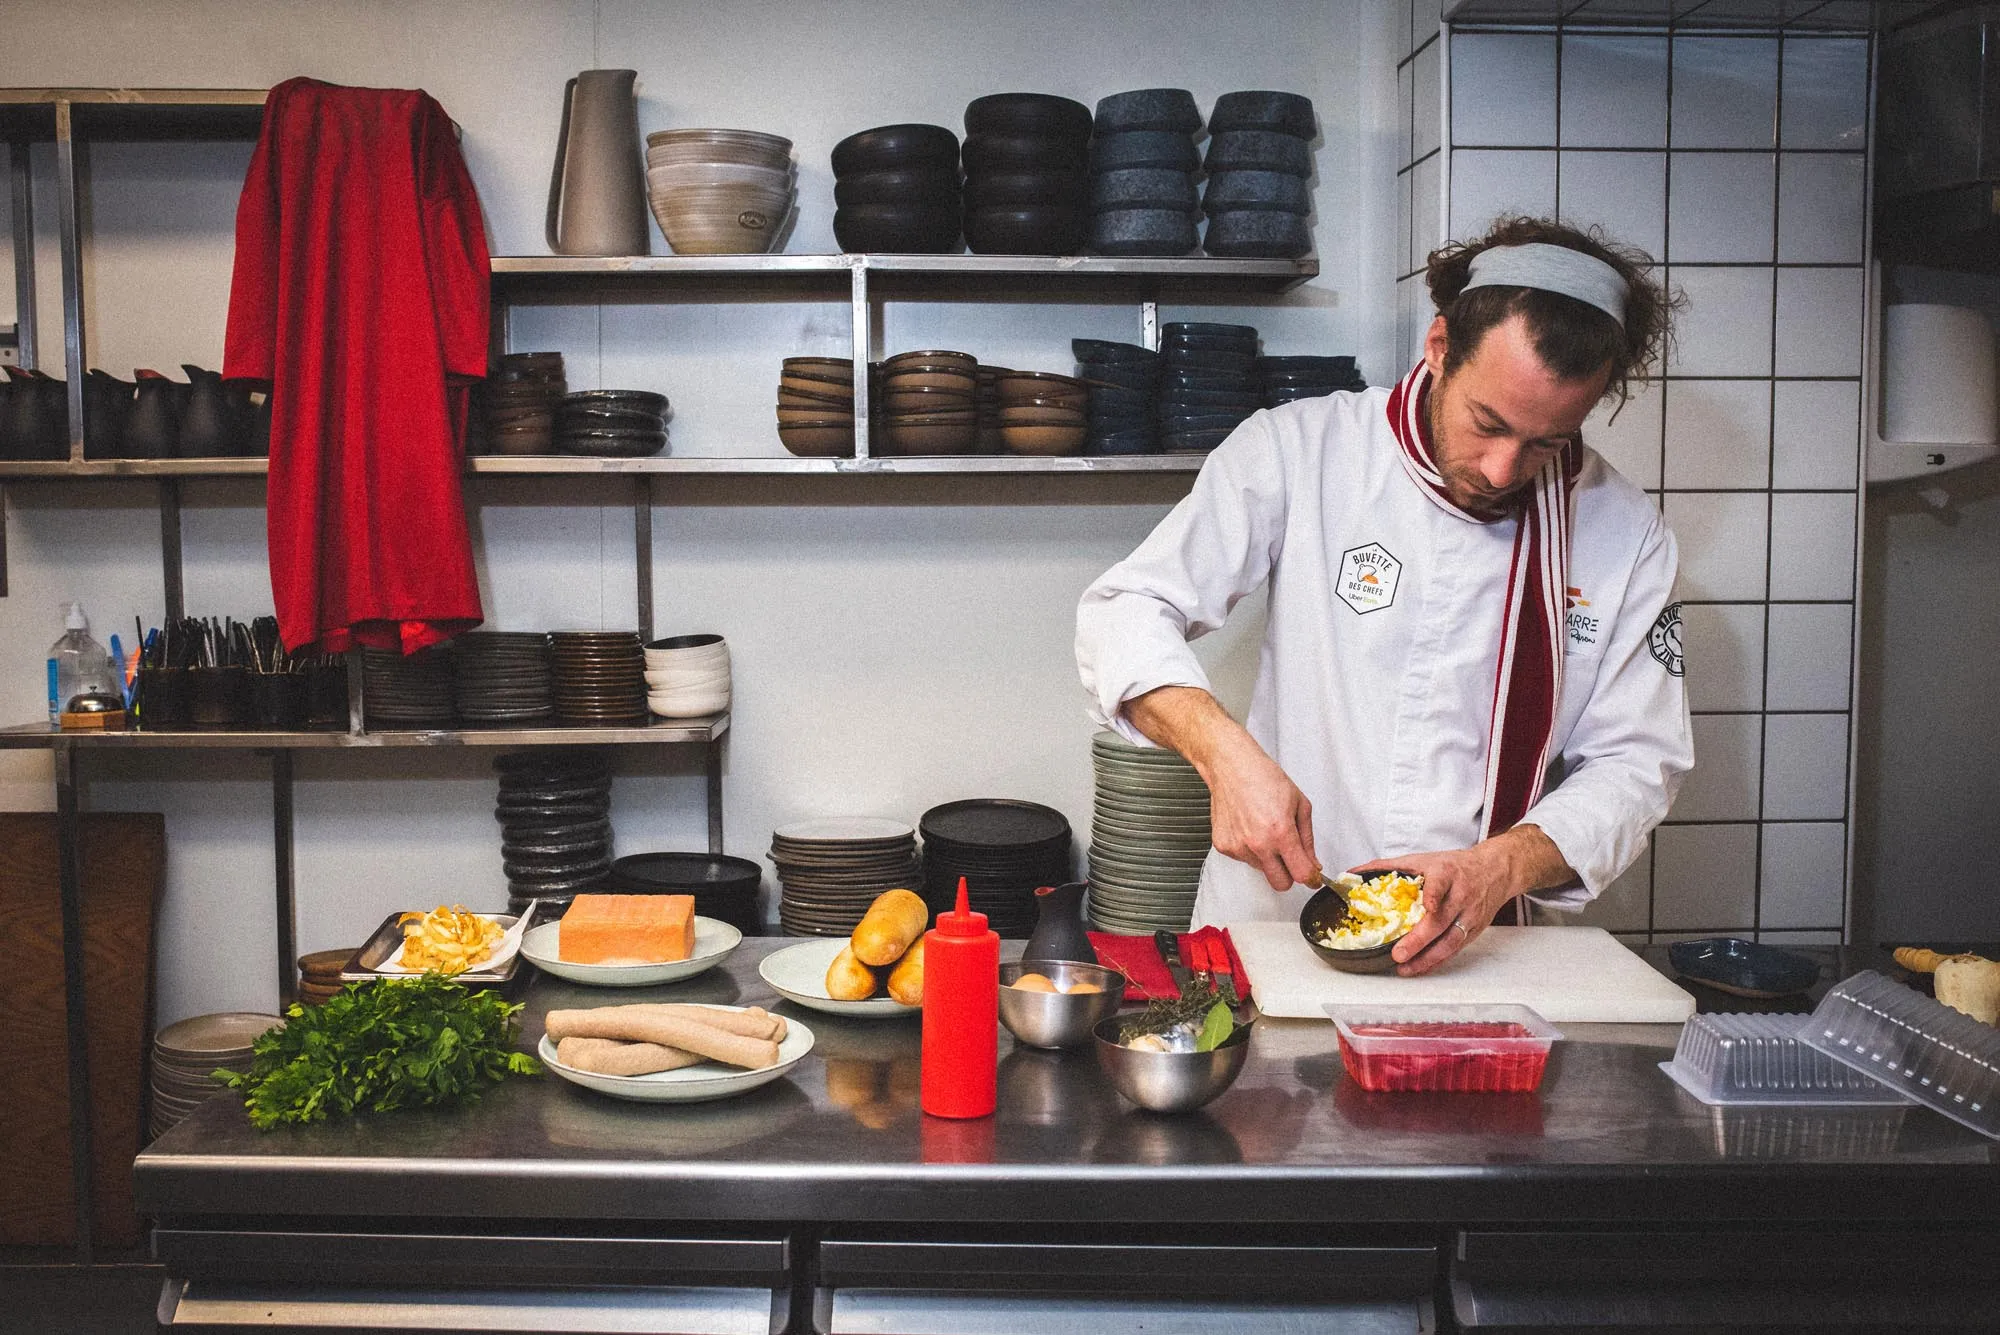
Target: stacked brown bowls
column 816, row 407
column 599, row 676
column 521, row 398
column 319, row 974
column 1042, row 413
column 720, row 192
column 929, row 403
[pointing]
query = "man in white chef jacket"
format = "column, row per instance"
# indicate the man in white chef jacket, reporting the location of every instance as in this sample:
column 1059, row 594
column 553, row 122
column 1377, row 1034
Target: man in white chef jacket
column 1471, row 665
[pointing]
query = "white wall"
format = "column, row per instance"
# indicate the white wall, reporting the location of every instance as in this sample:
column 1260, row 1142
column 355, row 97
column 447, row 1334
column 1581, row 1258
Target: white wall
column 898, row 642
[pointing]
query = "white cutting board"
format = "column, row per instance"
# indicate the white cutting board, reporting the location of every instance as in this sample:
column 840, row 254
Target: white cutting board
column 1577, row 974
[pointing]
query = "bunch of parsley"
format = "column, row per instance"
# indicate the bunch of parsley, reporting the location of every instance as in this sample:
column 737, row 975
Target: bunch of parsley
column 415, row 1043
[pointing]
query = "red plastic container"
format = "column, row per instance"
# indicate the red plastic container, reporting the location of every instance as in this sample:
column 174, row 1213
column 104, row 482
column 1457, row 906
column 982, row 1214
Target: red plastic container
column 1445, row 1049
column 961, row 1042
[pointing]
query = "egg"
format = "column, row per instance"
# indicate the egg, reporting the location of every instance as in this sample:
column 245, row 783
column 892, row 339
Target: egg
column 1034, row 982
column 1078, row 989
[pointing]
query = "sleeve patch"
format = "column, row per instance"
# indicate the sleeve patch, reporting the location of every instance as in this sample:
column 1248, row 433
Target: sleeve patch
column 1665, row 640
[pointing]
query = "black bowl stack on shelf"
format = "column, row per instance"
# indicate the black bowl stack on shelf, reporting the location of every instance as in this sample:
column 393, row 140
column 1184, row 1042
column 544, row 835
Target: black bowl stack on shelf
column 1005, row 850
column 1208, row 384
column 520, row 400
column 1288, row 379
column 599, row 676
column 724, row 888
column 1124, row 381
column 1026, row 157
column 895, row 190
column 407, row 690
column 502, row 677
column 1142, row 170
column 555, row 824
column 613, row 423
column 1259, row 162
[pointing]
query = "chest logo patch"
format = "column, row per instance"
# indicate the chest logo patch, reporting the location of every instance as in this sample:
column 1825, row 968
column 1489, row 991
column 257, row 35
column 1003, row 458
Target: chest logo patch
column 1665, row 640
column 1581, row 621
column 1368, row 577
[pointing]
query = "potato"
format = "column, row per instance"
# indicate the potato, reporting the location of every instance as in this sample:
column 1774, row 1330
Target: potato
column 893, row 922
column 906, row 980
column 848, row 979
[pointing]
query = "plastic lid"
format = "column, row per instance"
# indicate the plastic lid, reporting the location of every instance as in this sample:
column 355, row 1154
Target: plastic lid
column 73, row 617
column 961, row 921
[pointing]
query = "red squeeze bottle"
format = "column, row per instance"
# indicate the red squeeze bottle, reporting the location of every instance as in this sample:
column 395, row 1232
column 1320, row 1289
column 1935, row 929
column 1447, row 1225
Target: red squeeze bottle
column 961, row 1014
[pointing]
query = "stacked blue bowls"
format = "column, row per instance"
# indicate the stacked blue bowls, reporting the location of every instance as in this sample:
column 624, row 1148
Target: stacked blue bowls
column 1259, row 163
column 1142, row 170
column 1288, row 379
column 1124, row 381
column 1208, row 384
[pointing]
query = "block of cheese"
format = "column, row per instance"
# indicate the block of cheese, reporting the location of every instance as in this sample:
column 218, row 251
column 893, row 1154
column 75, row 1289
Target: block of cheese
column 627, row 929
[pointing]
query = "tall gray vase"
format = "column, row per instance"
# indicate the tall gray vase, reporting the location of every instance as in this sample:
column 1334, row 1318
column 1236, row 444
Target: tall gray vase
column 597, row 192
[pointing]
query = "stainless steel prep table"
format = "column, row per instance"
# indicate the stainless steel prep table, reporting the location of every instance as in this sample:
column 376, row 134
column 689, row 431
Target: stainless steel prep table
column 1609, row 1194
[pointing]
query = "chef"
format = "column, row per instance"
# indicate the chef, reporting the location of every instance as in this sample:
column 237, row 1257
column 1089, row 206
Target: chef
column 1471, row 664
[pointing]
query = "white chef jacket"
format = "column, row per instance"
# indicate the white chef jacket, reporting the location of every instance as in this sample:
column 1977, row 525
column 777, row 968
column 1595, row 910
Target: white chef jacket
column 1375, row 682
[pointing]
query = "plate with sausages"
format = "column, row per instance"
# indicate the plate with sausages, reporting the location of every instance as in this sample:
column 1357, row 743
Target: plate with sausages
column 672, row 1053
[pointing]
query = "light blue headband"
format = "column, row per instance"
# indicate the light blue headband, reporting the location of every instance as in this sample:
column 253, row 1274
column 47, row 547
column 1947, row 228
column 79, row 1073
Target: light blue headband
column 1552, row 268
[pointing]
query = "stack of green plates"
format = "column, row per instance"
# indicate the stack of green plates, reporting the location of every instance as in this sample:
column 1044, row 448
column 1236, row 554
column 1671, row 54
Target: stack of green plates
column 1149, row 837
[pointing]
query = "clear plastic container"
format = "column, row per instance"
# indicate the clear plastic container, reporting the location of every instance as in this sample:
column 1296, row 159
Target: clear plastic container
column 1911, row 1043
column 1828, row 1131
column 1457, row 1049
column 1757, row 1060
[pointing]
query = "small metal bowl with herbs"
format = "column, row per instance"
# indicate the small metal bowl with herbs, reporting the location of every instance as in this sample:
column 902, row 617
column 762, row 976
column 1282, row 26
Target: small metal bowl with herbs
column 1180, row 1052
column 1353, row 923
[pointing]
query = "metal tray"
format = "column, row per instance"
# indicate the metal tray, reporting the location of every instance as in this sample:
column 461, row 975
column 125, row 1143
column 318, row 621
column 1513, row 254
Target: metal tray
column 386, row 940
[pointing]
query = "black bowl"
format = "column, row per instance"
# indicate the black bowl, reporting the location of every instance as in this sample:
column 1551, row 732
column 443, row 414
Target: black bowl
column 1050, row 230
column 1116, row 398
column 1122, row 375
column 1139, row 440
column 1015, row 190
column 895, row 230
column 1004, row 154
column 1248, row 234
column 1322, row 912
column 1180, row 424
column 1285, row 113
column 1041, row 114
column 1181, row 329
column 1143, row 148
column 910, row 187
column 1340, row 366
column 1218, row 400
column 1143, row 188
column 1743, row 968
column 1192, row 442
column 1258, row 150
column 1148, row 109
column 1166, row 231
column 1099, row 351
column 1279, row 192
column 896, row 148
column 1231, row 363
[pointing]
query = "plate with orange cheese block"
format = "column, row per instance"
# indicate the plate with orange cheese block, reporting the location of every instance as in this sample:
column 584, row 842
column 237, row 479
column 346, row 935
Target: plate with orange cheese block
column 629, row 941
column 874, row 973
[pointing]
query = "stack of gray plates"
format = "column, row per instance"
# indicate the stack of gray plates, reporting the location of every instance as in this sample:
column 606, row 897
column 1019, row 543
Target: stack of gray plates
column 830, row 870
column 185, row 1055
column 1149, row 836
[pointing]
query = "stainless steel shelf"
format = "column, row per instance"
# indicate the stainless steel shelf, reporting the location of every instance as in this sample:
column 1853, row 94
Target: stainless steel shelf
column 543, row 465
column 1814, row 16
column 129, row 114
column 68, row 468
column 515, row 275
column 40, row 736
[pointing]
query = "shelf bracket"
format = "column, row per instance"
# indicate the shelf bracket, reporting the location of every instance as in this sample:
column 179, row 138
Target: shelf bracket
column 1149, row 324
column 864, row 339
column 287, row 901
column 69, row 870
column 712, row 758
column 23, row 232
column 170, row 548
column 642, row 543
column 69, row 208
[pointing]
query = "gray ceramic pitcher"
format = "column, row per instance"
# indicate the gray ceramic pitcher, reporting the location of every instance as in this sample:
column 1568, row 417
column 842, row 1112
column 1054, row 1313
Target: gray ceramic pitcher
column 597, row 192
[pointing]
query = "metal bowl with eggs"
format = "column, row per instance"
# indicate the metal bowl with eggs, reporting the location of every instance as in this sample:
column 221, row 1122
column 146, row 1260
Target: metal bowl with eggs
column 1054, row 1003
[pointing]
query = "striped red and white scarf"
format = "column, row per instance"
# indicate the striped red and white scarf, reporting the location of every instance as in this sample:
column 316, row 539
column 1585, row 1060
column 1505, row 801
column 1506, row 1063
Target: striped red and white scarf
column 1528, row 671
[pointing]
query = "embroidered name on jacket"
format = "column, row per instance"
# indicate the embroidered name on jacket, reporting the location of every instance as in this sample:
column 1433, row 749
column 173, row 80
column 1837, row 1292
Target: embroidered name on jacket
column 1368, row 577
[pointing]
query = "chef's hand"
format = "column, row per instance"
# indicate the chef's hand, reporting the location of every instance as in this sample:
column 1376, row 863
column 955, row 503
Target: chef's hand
column 1257, row 814
column 1465, row 888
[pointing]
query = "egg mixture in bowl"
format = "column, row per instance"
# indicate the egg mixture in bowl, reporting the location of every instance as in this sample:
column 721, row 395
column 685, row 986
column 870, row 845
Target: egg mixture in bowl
column 1379, row 910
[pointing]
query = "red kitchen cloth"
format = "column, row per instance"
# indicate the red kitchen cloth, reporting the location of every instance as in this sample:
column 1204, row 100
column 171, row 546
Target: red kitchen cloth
column 1146, row 975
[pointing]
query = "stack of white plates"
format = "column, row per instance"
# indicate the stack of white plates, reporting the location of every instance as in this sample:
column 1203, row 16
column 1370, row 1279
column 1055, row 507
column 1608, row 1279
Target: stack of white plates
column 185, row 1055
column 721, row 192
column 1149, row 836
column 831, row 870
column 687, row 676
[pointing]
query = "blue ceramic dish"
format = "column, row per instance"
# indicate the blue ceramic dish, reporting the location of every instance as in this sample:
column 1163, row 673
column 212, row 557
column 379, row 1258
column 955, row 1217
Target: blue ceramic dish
column 1743, row 968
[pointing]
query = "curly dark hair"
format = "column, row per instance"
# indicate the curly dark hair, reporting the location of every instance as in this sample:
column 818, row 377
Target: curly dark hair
column 1573, row 338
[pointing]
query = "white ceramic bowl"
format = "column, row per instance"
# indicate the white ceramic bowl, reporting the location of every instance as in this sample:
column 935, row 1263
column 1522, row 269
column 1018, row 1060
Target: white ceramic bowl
column 688, row 706
column 676, row 175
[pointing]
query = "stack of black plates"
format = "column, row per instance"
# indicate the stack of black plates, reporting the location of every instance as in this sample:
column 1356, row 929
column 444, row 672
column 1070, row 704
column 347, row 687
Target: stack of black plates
column 1259, row 160
column 613, row 423
column 1026, row 174
column 1285, row 379
column 555, row 823
column 724, row 888
column 407, row 690
column 1142, row 169
column 831, row 870
column 599, row 676
column 1124, row 381
column 1003, row 848
column 1208, row 385
column 502, row 677
column 895, row 190
column 520, row 399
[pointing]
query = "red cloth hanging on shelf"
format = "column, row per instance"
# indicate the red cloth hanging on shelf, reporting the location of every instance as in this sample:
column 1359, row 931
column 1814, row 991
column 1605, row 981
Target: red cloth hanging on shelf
column 361, row 294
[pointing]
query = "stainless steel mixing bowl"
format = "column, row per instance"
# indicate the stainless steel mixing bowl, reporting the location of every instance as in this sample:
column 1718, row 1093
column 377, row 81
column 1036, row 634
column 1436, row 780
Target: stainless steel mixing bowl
column 1058, row 1019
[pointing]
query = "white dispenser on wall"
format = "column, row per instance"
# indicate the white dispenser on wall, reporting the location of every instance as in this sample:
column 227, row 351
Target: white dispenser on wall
column 1934, row 390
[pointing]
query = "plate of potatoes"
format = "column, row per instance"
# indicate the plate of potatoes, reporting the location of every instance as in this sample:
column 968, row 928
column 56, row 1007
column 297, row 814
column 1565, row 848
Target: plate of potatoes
column 876, row 972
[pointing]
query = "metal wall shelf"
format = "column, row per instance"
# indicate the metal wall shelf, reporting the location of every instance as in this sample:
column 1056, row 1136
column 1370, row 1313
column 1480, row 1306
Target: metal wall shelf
column 42, row 737
column 545, row 465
